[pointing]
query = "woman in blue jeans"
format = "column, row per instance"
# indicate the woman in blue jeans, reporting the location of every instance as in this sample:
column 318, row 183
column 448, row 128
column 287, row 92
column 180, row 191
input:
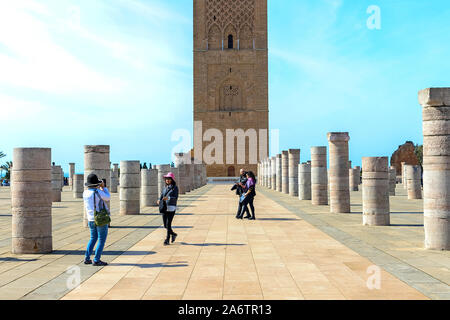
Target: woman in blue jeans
column 96, row 190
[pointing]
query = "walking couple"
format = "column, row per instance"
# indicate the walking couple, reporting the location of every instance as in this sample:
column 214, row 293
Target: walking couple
column 245, row 188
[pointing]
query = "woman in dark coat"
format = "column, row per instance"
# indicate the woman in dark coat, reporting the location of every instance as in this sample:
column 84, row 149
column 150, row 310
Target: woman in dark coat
column 168, row 205
column 249, row 195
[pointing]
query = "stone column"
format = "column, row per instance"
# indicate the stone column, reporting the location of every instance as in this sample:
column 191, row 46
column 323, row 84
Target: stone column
column 149, row 187
column 188, row 178
column 285, row 172
column 294, row 161
column 304, row 181
column 205, row 177
column 191, row 177
column 31, row 201
column 71, row 173
column 354, row 178
column 404, row 181
column 196, row 168
column 78, row 186
column 412, row 177
column 392, row 180
column 56, row 183
column 114, row 178
column 163, row 170
column 273, row 170
column 269, row 173
column 436, row 166
column 130, row 187
column 278, row 172
column 339, row 182
column 62, row 178
column 375, row 191
column 96, row 161
column 259, row 173
column 319, row 176
column 359, row 174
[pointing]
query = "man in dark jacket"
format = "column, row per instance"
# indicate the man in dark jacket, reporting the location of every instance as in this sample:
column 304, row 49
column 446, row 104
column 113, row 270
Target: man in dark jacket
column 240, row 191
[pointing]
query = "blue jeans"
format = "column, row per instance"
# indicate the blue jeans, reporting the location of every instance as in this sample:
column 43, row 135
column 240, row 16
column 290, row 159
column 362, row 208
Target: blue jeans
column 100, row 234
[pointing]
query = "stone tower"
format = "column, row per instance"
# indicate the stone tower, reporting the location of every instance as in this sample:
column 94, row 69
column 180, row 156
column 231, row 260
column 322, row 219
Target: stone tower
column 231, row 82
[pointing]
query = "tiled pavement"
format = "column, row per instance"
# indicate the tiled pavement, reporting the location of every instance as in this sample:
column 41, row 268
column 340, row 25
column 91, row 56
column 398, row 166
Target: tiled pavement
column 293, row 251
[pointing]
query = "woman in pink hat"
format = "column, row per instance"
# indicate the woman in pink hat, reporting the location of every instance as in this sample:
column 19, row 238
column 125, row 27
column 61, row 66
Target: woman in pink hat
column 168, row 205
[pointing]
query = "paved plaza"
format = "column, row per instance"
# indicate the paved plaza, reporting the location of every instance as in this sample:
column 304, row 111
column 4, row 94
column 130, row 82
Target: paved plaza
column 292, row 251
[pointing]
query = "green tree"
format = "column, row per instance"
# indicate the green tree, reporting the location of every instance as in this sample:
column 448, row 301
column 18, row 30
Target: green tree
column 418, row 150
column 2, row 155
column 7, row 167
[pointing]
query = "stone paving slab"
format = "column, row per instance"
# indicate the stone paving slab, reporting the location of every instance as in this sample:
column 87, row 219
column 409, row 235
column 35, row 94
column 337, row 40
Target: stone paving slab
column 279, row 256
column 397, row 248
column 293, row 251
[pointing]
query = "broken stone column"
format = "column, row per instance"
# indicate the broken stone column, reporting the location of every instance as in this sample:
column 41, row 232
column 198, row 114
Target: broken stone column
column 96, row 161
column 304, row 181
column 404, row 181
column 436, row 166
column 114, row 178
column 62, row 178
column 294, row 161
column 278, row 170
column 339, row 180
column 163, row 170
column 31, row 201
column 71, row 173
column 413, row 181
column 149, row 187
column 354, row 178
column 269, row 173
column 319, row 176
column 259, row 173
column 197, row 175
column 285, row 172
column 263, row 171
column 188, row 178
column 56, row 183
column 78, row 186
column 375, row 191
column 130, row 187
column 273, row 170
column 392, row 180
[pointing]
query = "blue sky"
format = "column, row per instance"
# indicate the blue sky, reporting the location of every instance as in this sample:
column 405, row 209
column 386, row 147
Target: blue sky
column 119, row 72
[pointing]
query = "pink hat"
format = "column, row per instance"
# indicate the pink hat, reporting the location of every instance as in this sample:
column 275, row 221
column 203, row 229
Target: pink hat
column 170, row 175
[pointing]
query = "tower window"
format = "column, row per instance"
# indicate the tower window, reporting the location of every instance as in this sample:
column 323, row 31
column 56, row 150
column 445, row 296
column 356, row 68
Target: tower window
column 230, row 41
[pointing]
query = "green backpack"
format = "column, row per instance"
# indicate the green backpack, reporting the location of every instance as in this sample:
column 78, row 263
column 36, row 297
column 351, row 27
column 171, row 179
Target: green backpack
column 101, row 217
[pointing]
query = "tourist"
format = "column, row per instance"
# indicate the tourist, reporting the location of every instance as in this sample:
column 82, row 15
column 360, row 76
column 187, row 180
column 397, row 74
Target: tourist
column 98, row 191
column 249, row 195
column 168, row 205
column 239, row 187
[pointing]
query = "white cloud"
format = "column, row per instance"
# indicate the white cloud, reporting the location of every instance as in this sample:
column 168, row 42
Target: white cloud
column 37, row 62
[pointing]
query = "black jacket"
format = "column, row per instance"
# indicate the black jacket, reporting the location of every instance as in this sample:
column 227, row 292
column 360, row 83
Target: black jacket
column 170, row 192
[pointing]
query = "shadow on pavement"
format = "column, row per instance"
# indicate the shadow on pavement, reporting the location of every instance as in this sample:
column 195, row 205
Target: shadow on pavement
column 211, row 244
column 152, row 265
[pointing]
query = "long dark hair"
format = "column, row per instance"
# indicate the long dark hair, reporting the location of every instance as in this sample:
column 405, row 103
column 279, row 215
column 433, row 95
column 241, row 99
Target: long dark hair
column 251, row 175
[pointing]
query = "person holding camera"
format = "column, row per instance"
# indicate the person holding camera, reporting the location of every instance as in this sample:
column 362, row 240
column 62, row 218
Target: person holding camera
column 248, row 196
column 239, row 187
column 168, row 205
column 94, row 198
